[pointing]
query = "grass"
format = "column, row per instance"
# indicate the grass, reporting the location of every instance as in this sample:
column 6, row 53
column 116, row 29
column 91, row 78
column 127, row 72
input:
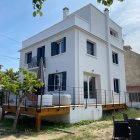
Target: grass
column 131, row 112
column 84, row 130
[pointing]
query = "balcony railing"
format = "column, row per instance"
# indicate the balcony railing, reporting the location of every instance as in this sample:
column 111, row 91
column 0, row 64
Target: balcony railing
column 35, row 63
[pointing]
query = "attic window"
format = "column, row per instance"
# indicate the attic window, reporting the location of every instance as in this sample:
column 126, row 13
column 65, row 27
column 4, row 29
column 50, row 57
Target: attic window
column 113, row 33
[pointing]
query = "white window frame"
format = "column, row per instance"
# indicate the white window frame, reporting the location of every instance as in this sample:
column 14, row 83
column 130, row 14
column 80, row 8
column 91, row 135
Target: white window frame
column 60, row 78
column 60, row 45
column 87, row 79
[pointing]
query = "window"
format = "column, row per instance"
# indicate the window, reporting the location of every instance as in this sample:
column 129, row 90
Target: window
column 57, row 80
column 58, row 47
column 116, row 86
column 90, row 48
column 115, row 57
column 29, row 58
column 89, row 87
column 113, row 33
column 40, row 54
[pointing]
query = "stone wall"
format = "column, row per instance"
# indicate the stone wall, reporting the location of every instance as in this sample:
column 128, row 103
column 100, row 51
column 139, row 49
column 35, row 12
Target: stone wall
column 132, row 67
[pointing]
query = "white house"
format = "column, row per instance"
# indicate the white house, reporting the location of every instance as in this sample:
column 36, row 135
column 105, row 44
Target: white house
column 84, row 51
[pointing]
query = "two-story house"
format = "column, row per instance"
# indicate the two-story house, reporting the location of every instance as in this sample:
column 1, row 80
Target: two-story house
column 84, row 51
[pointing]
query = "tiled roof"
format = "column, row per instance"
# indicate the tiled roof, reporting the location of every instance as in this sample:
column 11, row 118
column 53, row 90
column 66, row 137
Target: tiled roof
column 133, row 89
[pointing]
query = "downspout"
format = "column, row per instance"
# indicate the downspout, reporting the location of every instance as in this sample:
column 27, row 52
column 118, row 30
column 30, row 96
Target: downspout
column 109, row 54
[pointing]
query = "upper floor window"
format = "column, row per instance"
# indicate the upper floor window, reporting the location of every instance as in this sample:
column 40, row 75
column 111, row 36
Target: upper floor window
column 116, row 86
column 113, row 33
column 115, row 57
column 29, row 57
column 40, row 54
column 58, row 47
column 90, row 48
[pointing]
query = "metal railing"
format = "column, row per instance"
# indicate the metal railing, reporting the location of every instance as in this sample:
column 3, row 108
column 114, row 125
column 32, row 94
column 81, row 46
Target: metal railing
column 35, row 63
column 71, row 96
column 134, row 99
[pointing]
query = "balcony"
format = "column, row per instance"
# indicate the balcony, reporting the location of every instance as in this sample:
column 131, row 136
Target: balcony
column 35, row 63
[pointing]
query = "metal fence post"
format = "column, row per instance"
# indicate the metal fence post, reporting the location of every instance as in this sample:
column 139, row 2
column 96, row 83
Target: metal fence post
column 125, row 96
column 96, row 96
column 119, row 99
column 113, row 98
column 8, row 100
column 105, row 98
column 37, row 104
column 59, row 97
column 16, row 102
column 73, row 98
column 41, row 98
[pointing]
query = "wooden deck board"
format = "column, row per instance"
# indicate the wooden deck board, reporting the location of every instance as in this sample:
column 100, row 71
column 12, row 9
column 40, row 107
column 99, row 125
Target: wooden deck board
column 113, row 106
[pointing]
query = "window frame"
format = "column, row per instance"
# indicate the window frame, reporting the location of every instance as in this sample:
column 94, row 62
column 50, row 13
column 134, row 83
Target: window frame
column 58, row 47
column 59, row 43
column 60, row 76
column 86, row 83
column 116, row 89
column 94, row 48
column 114, row 33
column 26, row 55
column 115, row 58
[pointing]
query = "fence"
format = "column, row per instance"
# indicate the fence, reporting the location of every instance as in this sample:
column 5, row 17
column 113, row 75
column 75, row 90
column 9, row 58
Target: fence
column 134, row 99
column 60, row 96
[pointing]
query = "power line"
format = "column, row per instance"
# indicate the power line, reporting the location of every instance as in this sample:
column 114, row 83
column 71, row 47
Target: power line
column 9, row 57
column 10, row 38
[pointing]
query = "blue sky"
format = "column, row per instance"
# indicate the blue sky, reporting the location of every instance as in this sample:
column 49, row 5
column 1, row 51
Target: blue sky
column 16, row 22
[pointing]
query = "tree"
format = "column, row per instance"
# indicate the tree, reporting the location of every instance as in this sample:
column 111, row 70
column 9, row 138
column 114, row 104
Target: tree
column 107, row 2
column 37, row 5
column 13, row 83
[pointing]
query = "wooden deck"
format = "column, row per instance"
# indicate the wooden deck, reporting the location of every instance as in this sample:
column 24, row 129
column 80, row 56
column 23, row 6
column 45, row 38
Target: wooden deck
column 54, row 110
column 113, row 106
column 38, row 114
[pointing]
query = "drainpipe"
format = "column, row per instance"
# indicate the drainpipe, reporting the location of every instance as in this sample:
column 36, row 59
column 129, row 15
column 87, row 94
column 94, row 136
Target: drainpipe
column 109, row 52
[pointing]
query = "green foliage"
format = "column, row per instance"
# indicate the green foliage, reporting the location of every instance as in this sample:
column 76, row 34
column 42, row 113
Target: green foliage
column 37, row 5
column 107, row 2
column 12, row 82
column 30, row 82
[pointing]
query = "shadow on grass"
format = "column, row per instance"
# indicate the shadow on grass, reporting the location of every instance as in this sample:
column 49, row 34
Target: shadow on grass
column 26, row 127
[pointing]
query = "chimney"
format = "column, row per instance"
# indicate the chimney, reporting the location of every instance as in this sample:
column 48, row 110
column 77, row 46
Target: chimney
column 127, row 48
column 65, row 12
column 106, row 12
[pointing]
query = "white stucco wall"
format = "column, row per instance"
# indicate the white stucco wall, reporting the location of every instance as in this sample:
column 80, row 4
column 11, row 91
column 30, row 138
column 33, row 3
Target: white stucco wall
column 77, row 114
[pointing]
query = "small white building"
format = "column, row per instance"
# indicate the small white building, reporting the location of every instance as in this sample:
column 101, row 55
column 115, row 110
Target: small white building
column 83, row 54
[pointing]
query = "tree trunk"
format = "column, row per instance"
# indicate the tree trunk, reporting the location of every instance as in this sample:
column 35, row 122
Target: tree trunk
column 17, row 112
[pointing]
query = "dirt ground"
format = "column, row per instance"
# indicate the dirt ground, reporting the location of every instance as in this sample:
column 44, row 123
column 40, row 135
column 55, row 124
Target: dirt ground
column 101, row 130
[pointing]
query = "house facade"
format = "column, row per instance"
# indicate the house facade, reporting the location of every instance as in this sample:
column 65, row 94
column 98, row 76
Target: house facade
column 83, row 56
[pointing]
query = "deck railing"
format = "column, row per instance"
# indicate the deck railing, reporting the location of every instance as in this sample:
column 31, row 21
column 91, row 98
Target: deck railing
column 75, row 94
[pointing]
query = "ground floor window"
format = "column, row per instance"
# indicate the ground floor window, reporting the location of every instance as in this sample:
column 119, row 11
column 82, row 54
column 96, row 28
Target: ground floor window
column 57, row 81
column 89, row 87
column 116, row 85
